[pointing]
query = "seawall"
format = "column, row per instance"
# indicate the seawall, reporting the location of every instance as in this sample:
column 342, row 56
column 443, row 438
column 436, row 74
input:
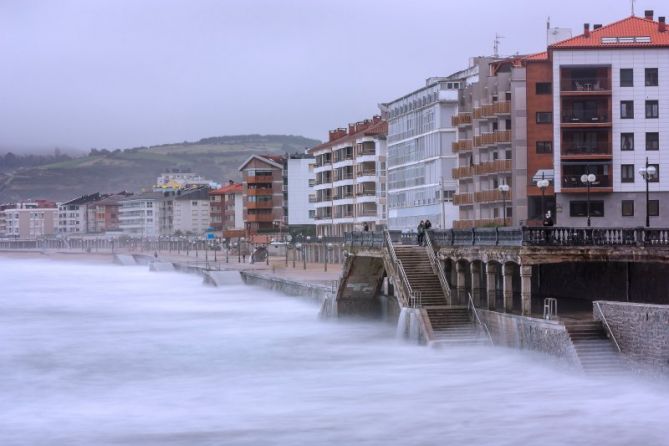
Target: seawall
column 318, row 292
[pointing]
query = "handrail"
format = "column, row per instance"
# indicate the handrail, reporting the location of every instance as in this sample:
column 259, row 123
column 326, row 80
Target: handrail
column 478, row 320
column 412, row 295
column 608, row 328
column 438, row 268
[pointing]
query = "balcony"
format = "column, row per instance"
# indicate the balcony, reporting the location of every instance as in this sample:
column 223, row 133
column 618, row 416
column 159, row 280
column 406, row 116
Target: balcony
column 571, row 183
column 259, row 205
column 490, row 196
column 502, row 108
column 586, row 151
column 585, row 86
column 484, row 111
column 255, row 179
column 490, row 139
column 496, row 166
column 596, row 119
column 259, row 218
column 461, row 146
column 259, row 191
column 464, row 118
column 463, row 198
column 460, row 173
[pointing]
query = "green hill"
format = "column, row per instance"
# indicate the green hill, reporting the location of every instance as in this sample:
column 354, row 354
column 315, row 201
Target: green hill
column 216, row 158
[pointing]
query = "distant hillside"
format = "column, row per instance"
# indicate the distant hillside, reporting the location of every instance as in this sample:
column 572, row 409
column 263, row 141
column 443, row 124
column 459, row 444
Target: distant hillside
column 215, row 158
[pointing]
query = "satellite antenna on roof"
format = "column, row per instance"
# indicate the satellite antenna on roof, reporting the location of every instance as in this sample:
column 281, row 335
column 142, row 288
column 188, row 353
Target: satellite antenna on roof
column 495, row 47
column 632, row 2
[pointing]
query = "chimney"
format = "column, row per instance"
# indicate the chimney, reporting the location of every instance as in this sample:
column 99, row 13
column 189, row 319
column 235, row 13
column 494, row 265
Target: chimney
column 661, row 26
column 648, row 13
column 230, row 182
column 586, row 30
column 597, row 26
column 351, row 129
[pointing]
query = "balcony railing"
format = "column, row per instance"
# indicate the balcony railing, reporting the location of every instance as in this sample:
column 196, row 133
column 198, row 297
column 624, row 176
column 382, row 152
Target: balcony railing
column 584, row 118
column 503, row 108
column 488, row 196
column 463, row 198
column 495, row 166
column 463, row 118
column 488, row 139
column 574, row 181
column 580, row 149
column 585, row 85
column 462, row 172
column 366, row 173
column 464, row 145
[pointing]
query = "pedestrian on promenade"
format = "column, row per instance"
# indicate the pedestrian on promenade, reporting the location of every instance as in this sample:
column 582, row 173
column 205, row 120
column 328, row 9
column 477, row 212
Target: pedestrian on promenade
column 421, row 232
column 428, row 227
column 365, row 227
column 548, row 219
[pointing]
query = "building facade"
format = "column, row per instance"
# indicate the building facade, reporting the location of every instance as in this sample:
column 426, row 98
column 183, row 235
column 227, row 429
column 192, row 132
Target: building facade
column 192, row 212
column 29, row 220
column 300, row 194
column 139, row 215
column 350, row 178
column 610, row 118
column 73, row 215
column 263, row 194
column 103, row 214
column 227, row 209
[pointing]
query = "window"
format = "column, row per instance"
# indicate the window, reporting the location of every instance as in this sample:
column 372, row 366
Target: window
column 652, row 109
column 544, row 88
column 194, row 203
column 627, row 141
column 544, row 117
column 627, row 173
column 652, row 141
column 580, row 208
column 654, row 208
column 507, row 96
column 651, row 77
column 544, row 147
column 628, row 208
column 626, row 77
column 626, row 109
column 656, row 178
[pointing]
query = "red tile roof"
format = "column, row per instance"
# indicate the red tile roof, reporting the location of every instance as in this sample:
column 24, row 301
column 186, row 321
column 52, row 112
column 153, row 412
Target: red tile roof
column 378, row 129
column 227, row 189
column 537, row 57
column 628, row 27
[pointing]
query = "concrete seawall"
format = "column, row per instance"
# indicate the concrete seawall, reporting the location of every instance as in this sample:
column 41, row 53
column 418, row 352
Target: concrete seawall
column 318, row 292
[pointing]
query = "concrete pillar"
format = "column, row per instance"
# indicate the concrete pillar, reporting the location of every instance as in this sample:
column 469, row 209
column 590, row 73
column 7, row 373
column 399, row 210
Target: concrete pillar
column 460, row 284
column 491, row 281
column 526, row 289
column 475, row 270
column 508, row 287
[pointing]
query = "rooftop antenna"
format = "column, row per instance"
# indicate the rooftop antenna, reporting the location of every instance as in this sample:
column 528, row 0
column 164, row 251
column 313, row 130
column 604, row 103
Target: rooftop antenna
column 548, row 28
column 496, row 45
column 632, row 2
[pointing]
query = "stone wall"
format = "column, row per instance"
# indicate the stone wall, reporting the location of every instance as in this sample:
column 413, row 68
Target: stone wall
column 317, row 292
column 641, row 330
column 528, row 333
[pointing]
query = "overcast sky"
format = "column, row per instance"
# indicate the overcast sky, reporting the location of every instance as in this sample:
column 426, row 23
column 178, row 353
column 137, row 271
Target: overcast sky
column 124, row 73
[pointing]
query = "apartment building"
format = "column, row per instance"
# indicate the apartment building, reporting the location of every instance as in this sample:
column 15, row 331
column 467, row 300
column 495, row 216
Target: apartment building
column 350, row 178
column 300, row 194
column 139, row 215
column 28, row 220
column 191, row 211
column 263, row 190
column 227, row 209
column 102, row 215
column 178, row 178
column 610, row 117
column 73, row 214
column 420, row 157
column 492, row 144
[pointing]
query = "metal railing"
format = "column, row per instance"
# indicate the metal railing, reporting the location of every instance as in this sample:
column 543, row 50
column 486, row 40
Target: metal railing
column 438, row 268
column 472, row 308
column 608, row 327
column 415, row 297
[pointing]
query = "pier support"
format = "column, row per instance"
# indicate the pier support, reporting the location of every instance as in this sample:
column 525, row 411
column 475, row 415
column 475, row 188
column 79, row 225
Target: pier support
column 461, row 282
column 491, row 283
column 526, row 289
column 475, row 270
column 508, row 287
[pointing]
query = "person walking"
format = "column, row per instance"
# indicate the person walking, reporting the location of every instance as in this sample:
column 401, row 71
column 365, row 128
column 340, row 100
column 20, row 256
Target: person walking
column 428, row 226
column 421, row 232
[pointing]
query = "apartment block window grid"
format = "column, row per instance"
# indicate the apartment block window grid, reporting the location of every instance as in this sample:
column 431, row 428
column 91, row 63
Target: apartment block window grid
column 652, row 141
column 652, row 109
column 626, row 109
column 627, row 141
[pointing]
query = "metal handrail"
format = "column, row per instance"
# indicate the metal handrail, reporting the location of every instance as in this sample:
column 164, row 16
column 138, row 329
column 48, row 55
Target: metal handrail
column 478, row 319
column 608, row 327
column 411, row 294
column 438, row 268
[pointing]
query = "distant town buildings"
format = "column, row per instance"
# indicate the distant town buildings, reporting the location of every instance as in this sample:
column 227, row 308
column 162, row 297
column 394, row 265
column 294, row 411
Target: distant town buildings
column 179, row 178
column 300, row 194
column 263, row 189
column 192, row 214
column 138, row 214
column 28, row 220
column 73, row 215
column 227, row 210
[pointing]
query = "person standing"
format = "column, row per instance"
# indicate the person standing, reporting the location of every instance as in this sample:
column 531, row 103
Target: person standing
column 428, row 226
column 421, row 232
column 365, row 227
column 548, row 219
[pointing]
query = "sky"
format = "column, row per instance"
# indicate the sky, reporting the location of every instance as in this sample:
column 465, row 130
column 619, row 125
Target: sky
column 124, row 73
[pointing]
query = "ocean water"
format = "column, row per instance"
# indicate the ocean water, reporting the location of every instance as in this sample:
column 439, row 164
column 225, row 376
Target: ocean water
column 110, row 355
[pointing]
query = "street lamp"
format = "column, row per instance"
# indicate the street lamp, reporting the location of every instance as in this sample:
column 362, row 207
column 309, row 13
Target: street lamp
column 648, row 173
column 543, row 184
column 242, row 243
column 298, row 247
column 504, row 189
column 329, row 248
column 588, row 179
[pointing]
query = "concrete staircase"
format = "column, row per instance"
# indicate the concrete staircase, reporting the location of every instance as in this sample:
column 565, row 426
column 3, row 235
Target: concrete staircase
column 596, row 353
column 453, row 326
column 421, row 277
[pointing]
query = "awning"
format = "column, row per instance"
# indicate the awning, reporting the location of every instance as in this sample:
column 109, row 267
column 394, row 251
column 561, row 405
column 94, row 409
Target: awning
column 544, row 174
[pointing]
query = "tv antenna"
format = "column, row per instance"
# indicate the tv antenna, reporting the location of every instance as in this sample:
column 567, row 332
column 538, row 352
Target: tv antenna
column 495, row 46
column 632, row 2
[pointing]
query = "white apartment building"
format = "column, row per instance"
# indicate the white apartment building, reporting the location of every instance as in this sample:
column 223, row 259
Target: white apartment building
column 611, row 117
column 420, row 158
column 73, row 214
column 301, row 196
column 191, row 210
column 350, row 178
column 174, row 179
column 28, row 221
column 139, row 215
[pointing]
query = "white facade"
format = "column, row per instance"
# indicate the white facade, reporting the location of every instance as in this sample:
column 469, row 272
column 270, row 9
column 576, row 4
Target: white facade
column 139, row 215
column 301, row 194
column 191, row 215
column 610, row 170
column 29, row 222
column 420, row 156
column 72, row 218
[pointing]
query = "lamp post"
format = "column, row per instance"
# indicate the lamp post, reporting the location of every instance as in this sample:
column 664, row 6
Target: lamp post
column 543, row 184
column 242, row 243
column 588, row 179
column 328, row 247
column 227, row 250
column 648, row 173
column 298, row 247
column 308, row 250
column 504, row 189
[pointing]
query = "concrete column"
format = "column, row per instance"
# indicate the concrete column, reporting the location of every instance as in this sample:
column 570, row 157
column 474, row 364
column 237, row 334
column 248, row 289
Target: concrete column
column 461, row 284
column 475, row 270
column 526, row 289
column 491, row 279
column 508, row 287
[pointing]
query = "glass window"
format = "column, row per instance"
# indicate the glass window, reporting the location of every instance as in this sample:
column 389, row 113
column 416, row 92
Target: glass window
column 627, row 173
column 656, row 178
column 544, row 117
column 626, row 77
column 626, row 109
column 544, row 88
column 651, row 77
column 627, row 141
column 580, row 208
column 544, row 147
column 628, row 208
column 652, row 109
column 652, row 141
column 654, row 208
